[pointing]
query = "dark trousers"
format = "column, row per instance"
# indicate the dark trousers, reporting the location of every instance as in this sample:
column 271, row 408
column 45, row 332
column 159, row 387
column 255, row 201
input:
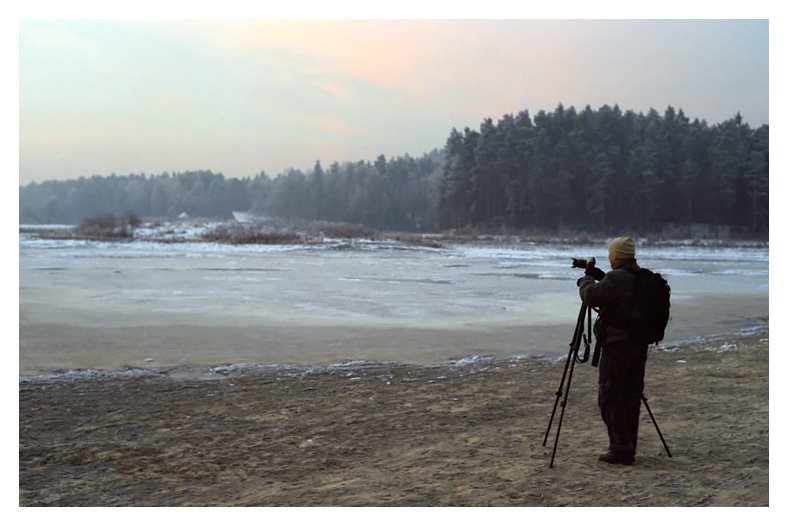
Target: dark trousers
column 621, row 385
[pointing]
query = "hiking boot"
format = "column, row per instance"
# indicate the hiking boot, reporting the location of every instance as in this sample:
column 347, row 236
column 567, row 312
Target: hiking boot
column 617, row 458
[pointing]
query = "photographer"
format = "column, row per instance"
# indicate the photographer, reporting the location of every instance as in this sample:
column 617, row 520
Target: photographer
column 623, row 361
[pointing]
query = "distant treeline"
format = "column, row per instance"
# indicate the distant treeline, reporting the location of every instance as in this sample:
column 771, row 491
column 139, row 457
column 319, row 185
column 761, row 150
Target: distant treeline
column 601, row 170
column 386, row 194
column 606, row 171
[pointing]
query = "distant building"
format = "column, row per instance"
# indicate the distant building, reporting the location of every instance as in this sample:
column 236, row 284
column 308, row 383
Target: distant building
column 248, row 217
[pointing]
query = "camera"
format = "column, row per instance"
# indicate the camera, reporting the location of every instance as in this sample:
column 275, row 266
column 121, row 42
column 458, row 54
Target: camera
column 584, row 264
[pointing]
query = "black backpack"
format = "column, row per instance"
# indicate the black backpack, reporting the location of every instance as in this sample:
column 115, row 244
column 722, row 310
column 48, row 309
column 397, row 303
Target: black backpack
column 649, row 308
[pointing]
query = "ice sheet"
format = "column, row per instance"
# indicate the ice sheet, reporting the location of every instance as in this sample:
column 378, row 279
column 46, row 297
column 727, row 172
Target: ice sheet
column 114, row 305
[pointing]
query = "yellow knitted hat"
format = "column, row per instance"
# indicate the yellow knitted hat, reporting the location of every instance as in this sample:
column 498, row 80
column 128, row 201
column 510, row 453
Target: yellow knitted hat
column 623, row 248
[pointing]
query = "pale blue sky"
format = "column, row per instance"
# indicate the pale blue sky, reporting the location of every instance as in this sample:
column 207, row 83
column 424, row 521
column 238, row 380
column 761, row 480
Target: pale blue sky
column 238, row 97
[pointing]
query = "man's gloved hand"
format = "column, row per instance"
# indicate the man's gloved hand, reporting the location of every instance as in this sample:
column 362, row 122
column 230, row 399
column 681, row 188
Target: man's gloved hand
column 595, row 273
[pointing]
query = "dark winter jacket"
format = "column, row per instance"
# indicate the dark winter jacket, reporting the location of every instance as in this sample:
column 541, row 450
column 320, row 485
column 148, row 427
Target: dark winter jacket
column 612, row 294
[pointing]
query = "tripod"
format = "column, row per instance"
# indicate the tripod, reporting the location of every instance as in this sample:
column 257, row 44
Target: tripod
column 579, row 335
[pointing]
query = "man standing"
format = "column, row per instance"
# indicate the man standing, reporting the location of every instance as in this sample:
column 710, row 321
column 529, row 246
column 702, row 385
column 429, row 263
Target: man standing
column 623, row 360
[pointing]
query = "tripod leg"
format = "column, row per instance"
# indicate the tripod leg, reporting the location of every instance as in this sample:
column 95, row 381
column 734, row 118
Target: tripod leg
column 569, row 366
column 561, row 415
column 574, row 345
column 644, row 400
column 558, row 396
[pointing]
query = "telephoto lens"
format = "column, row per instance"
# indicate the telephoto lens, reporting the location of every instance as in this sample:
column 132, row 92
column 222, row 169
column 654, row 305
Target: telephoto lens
column 584, row 264
column 579, row 263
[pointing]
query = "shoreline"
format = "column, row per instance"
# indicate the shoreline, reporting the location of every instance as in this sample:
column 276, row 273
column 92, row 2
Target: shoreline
column 346, row 236
column 207, row 371
column 467, row 433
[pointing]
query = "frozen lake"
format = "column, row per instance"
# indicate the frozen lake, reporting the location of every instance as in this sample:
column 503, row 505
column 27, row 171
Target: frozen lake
column 138, row 304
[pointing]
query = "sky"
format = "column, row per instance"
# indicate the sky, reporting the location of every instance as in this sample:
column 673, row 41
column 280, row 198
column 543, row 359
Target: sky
column 241, row 96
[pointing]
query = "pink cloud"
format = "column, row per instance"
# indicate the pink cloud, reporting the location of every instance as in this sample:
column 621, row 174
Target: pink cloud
column 332, row 125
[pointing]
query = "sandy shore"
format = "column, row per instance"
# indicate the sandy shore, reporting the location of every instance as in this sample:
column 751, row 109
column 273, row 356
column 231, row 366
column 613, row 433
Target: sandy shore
column 397, row 435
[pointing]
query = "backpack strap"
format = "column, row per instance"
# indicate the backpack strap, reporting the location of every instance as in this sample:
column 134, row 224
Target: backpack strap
column 635, row 287
column 623, row 321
